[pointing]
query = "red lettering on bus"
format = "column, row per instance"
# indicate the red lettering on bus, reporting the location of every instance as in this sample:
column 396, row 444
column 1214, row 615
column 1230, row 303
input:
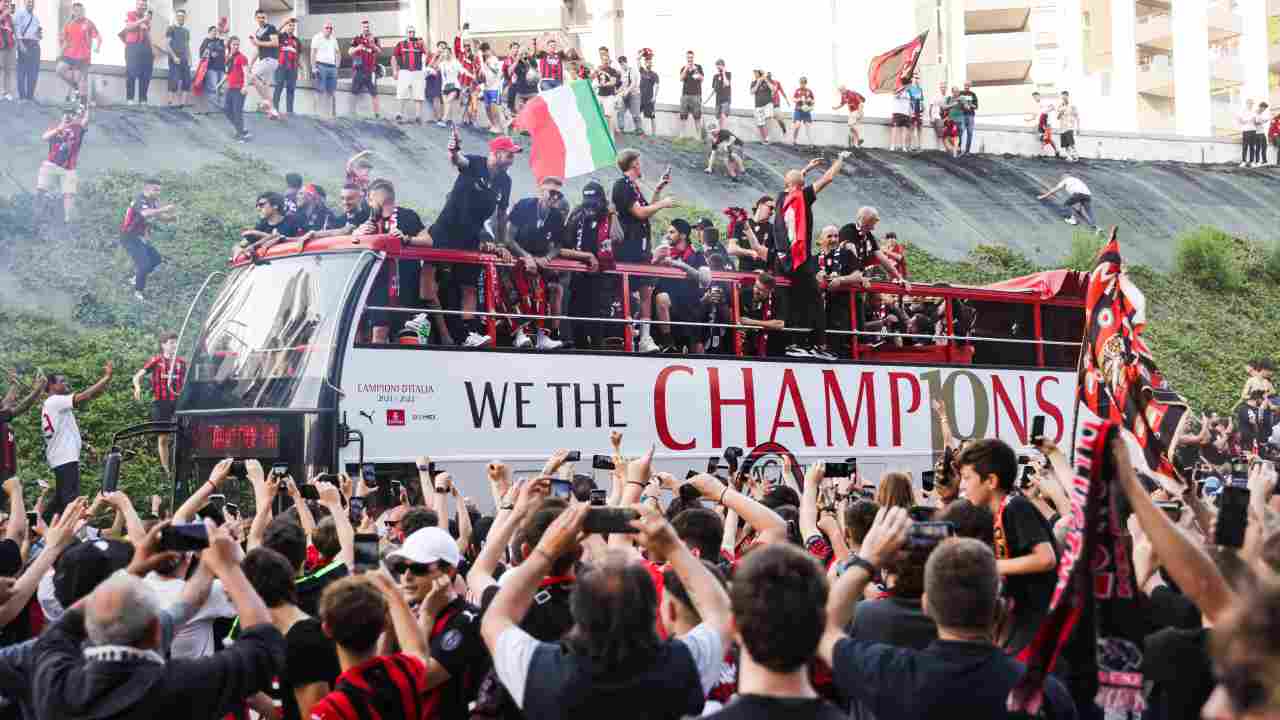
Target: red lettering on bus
column 866, row 389
column 797, row 401
column 1002, row 399
column 660, row 409
column 1049, row 408
column 894, row 377
column 747, row 402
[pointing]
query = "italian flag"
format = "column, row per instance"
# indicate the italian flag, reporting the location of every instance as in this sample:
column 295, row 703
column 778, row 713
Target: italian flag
column 570, row 135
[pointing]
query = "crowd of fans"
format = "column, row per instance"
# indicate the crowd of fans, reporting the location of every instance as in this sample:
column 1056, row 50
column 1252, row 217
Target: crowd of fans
column 817, row 595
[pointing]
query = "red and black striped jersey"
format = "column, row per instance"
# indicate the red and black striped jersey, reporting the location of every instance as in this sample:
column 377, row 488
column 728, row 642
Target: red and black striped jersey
column 135, row 223
column 410, row 54
column 161, row 368
column 289, row 47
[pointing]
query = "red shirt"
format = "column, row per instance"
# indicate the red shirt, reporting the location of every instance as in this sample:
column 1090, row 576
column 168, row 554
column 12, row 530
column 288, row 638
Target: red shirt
column 133, row 37
column 235, row 70
column 160, row 368
column 364, row 53
column 777, row 92
column 395, row 687
column 803, row 96
column 1274, row 131
column 288, row 51
column 77, row 38
column 410, row 54
column 7, row 36
column 64, row 148
column 852, row 99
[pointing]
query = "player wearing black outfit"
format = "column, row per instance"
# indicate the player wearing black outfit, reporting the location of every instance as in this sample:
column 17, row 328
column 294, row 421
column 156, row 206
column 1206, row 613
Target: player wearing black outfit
column 536, row 231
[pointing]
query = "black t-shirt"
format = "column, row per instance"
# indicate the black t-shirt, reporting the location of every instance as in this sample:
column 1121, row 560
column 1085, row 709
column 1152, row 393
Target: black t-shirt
column 536, row 228
column 762, row 707
column 635, row 232
column 648, row 84
column 723, row 87
column 764, row 235
column 1025, row 528
column 1253, row 424
column 690, row 85
column 1168, row 608
column 475, row 197
column 583, row 233
column 311, row 587
column 772, row 308
column 687, row 293
column 264, row 34
column 1177, row 664
column 310, row 657
column 900, row 622
column 783, row 250
column 456, row 644
column 864, row 247
column 319, row 218
column 215, row 50
column 356, row 218
column 608, row 88
column 403, row 219
column 763, row 93
column 290, row 225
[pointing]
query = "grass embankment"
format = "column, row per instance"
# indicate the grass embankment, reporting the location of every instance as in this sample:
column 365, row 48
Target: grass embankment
column 69, row 307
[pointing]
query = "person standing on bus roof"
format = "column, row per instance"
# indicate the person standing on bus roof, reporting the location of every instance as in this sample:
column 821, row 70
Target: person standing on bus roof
column 62, row 434
column 388, row 218
column 168, row 372
column 480, row 194
column 633, row 215
column 537, row 227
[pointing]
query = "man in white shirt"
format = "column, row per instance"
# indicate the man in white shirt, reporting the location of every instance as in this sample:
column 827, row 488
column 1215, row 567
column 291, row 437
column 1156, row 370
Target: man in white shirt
column 62, row 434
column 194, row 639
column 491, row 69
column 628, row 93
column 324, row 59
column 1079, row 201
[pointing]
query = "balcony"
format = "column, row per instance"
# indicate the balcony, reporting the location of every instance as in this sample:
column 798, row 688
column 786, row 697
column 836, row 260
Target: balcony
column 1155, row 31
column 1000, row 58
column 996, row 16
column 1156, row 77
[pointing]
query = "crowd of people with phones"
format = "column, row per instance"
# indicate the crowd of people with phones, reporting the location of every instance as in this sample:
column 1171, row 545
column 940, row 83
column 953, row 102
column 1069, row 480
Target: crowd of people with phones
column 617, row 589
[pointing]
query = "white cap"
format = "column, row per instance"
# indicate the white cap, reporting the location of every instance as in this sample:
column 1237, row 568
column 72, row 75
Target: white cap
column 428, row 545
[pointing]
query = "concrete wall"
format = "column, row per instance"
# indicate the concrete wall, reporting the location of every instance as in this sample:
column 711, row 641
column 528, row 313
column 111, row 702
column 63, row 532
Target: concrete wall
column 827, row 130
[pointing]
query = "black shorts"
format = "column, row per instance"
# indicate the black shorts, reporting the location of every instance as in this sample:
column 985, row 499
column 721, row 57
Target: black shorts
column 362, row 82
column 66, row 487
column 408, row 277
column 1068, row 139
column 179, row 77
column 900, row 120
column 162, row 410
column 648, row 108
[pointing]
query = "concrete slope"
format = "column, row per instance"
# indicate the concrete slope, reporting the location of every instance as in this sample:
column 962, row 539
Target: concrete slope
column 940, row 203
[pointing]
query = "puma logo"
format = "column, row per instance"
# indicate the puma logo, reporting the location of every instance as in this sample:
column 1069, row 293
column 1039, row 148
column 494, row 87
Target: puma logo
column 367, row 416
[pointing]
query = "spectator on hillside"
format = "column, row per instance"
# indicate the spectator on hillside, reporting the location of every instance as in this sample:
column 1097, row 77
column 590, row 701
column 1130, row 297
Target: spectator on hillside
column 649, row 82
column 612, row 662
column 722, row 86
column 607, row 79
column 690, row 94
column 726, row 145
column 433, row 82
column 633, row 214
column 213, row 51
column 854, row 101
column 762, row 95
column 234, row 80
column 139, row 57
column 779, row 97
column 550, row 64
column 29, row 32
column 968, row 101
column 1068, row 123
column 122, row 674
column 961, row 674
column 311, row 662
column 80, row 40
column 1261, row 122
column 285, row 76
column 275, row 224
column 1273, row 135
column 325, row 58
column 8, row 52
column 266, row 38
column 408, row 68
column 900, row 122
column 65, row 141
column 451, row 72
column 628, row 95
column 763, row 308
column 179, row 37
column 11, row 408
column 1025, row 550
column 804, row 112
column 135, row 233
column 364, row 52
column 1079, row 201
column 938, row 112
column 1044, row 128
column 491, row 77
column 915, row 96
column 168, row 374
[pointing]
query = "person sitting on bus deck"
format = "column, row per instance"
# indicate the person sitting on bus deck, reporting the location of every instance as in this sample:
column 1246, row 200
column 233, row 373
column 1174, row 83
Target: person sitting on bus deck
column 591, row 232
column 274, row 225
column 537, row 227
column 679, row 300
column 314, row 212
column 355, row 212
column 388, row 218
column 882, row 314
column 762, row 308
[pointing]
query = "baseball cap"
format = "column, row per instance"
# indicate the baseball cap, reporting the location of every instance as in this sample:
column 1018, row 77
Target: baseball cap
column 681, row 226
column 503, row 143
column 593, row 194
column 703, row 224
column 428, row 545
column 85, row 565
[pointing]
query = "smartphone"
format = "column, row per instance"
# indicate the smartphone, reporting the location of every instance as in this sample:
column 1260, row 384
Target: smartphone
column 867, row 493
column 601, row 462
column 606, row 520
column 713, row 465
column 355, row 510
column 1233, row 517
column 1172, row 509
column 217, row 500
column 691, row 474
column 920, row 513
column 929, row 534
column 370, row 475
column 561, row 488
column 599, row 497
column 853, row 466
column 280, row 469
column 733, row 456
column 366, row 551
column 573, row 456
column 237, row 467
column 1037, row 427
column 231, row 509
column 309, row 492
column 837, row 470
column 184, row 538
column 926, row 480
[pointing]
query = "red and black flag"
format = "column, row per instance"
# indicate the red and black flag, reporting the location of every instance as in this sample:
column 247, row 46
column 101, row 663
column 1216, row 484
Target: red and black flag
column 893, row 70
column 1094, row 618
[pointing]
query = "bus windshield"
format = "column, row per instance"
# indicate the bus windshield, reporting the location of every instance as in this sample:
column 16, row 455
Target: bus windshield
column 270, row 334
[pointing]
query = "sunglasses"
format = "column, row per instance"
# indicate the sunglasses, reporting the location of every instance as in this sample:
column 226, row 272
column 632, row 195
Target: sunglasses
column 415, row 569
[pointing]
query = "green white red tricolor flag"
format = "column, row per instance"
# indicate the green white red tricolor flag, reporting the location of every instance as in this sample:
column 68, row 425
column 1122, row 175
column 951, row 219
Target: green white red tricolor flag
column 570, row 135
